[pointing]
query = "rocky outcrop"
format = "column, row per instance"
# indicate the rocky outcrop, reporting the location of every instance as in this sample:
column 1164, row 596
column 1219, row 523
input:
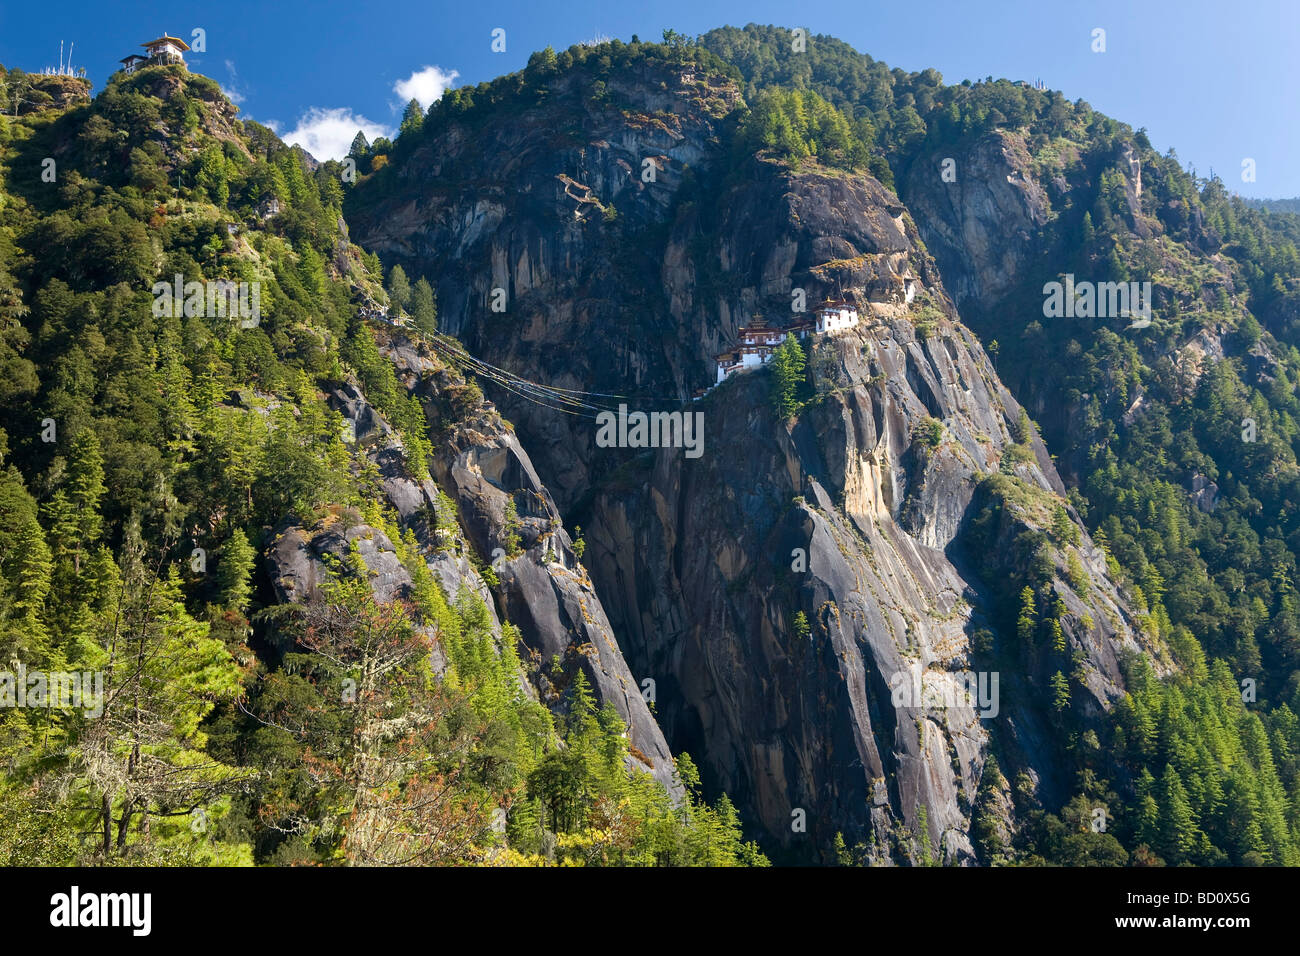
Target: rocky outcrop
column 984, row 226
column 543, row 588
column 39, row 92
column 851, row 518
column 846, row 518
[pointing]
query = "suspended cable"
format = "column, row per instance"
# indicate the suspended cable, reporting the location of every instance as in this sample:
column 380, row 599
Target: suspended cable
column 456, row 346
column 540, row 395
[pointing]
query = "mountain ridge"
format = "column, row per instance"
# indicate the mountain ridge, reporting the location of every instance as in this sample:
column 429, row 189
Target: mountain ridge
column 886, row 509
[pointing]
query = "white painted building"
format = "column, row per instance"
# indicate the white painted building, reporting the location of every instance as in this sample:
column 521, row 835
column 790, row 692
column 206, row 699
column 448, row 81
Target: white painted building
column 165, row 49
column 834, row 316
column 758, row 343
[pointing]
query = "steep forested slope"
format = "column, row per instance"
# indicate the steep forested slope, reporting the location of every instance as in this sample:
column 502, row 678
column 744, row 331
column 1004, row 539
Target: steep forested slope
column 228, row 515
column 347, row 609
column 626, row 284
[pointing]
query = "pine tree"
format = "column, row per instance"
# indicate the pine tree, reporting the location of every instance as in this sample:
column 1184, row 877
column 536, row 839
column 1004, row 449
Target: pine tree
column 1177, row 824
column 399, row 287
column 424, row 308
column 1027, row 623
column 1058, row 636
column 842, row 855
column 1060, row 692
column 1023, row 429
column 85, row 488
column 582, row 709
column 511, row 528
column 412, row 118
column 1244, row 835
column 801, row 627
column 163, row 674
column 1063, row 529
column 788, row 365
column 234, row 570
column 1148, row 810
column 1076, row 575
column 33, row 567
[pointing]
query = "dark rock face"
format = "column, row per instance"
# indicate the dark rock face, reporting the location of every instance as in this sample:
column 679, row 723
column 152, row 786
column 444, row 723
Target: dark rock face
column 522, row 207
column 544, row 589
column 983, row 227
column 701, row 565
column 845, row 519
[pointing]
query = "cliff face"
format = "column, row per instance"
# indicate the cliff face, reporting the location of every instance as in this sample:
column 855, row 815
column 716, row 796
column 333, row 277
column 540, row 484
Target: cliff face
column 543, row 588
column 843, row 514
column 846, row 517
column 985, row 227
column 552, row 207
column 1010, row 222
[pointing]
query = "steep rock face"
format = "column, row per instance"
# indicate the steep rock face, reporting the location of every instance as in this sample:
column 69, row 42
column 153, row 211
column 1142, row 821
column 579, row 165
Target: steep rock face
column 1011, row 221
column 552, row 208
column 779, row 241
column 442, row 544
column 983, row 226
column 998, row 223
column 544, row 589
column 703, row 564
column 299, row 558
column 847, row 519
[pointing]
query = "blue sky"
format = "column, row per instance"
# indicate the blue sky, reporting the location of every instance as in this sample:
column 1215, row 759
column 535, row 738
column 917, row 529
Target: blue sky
column 1219, row 82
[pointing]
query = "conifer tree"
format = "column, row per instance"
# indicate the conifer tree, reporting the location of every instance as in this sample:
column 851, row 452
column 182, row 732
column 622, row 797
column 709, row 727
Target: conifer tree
column 399, row 287
column 1027, row 623
column 234, row 570
column 1177, row 824
column 412, row 118
column 1060, row 692
column 142, row 756
column 788, row 364
column 424, row 309
column 85, row 489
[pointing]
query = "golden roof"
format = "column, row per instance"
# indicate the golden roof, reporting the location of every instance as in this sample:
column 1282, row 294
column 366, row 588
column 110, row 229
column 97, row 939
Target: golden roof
column 175, row 41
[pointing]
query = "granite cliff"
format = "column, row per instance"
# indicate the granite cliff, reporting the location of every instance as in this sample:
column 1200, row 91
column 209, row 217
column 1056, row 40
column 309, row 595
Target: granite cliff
column 627, row 284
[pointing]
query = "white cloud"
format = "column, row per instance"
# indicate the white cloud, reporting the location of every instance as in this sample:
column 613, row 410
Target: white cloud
column 232, row 89
column 425, row 86
column 328, row 133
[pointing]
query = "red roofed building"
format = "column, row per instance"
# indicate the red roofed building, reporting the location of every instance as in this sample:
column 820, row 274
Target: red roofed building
column 758, row 340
